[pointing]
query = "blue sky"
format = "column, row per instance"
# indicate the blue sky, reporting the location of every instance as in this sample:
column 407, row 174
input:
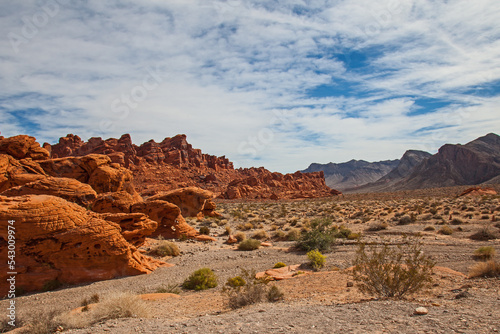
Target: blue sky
column 279, row 84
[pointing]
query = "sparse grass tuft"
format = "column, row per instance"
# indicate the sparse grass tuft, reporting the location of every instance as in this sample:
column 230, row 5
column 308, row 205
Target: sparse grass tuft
column 279, row 265
column 170, row 288
column 490, row 268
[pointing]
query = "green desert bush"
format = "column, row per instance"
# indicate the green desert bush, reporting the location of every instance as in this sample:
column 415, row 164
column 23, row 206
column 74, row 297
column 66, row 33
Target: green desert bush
column 392, row 272
column 279, row 265
column 317, row 259
column 201, row 279
column 484, row 253
column 249, row 244
column 321, row 236
column 165, row 248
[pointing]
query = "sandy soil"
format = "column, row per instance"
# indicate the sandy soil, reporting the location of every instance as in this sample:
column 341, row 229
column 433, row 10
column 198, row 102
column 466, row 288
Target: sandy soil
column 324, row 302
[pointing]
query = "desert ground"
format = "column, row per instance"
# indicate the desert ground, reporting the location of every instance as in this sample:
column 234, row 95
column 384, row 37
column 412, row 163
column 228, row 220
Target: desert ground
column 449, row 228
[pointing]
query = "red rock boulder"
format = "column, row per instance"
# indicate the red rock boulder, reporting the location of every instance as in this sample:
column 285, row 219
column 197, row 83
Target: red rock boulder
column 59, row 240
column 23, row 146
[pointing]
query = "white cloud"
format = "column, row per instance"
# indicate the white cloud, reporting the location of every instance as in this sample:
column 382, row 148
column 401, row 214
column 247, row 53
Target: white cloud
column 226, row 68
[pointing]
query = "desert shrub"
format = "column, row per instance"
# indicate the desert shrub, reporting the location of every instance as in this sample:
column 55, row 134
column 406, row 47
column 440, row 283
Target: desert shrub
column 170, row 288
column 279, row 235
column 456, row 221
column 227, row 230
column 165, row 248
column 249, row 244
column 404, row 220
column 236, row 281
column 354, row 236
column 260, row 235
column 446, row 230
column 244, row 227
column 293, row 234
column 254, row 290
column 378, row 226
column 321, row 236
column 279, row 265
column 40, row 322
column 485, row 269
column 201, row 279
column 343, row 233
column 205, row 230
column 51, row 285
column 484, row 253
column 274, row 294
column 483, row 234
column 92, row 300
column 317, row 259
column 390, row 272
column 240, row 236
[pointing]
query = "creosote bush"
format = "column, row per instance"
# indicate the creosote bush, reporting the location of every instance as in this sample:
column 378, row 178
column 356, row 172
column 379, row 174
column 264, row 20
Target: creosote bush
column 201, row 279
column 165, row 248
column 205, row 230
column 317, row 259
column 392, row 272
column 321, row 236
column 249, row 244
column 446, row 230
column 483, row 234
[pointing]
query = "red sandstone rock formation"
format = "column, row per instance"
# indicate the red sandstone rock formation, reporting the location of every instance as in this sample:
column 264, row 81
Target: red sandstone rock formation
column 193, row 202
column 69, row 189
column 173, row 164
column 22, row 146
column 59, row 240
column 171, row 224
column 135, row 226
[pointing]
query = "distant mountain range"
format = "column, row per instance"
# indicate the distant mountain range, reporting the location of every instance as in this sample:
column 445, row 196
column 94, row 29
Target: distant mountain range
column 474, row 163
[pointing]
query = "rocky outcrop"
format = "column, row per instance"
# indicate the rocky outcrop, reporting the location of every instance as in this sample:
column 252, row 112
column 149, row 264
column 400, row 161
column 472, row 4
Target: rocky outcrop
column 97, row 170
column 193, row 202
column 69, row 189
column 16, row 173
column 171, row 224
column 135, row 226
column 171, row 151
column 60, row 241
column 113, row 202
column 174, row 163
column 262, row 184
column 22, row 147
column 354, row 173
column 470, row 164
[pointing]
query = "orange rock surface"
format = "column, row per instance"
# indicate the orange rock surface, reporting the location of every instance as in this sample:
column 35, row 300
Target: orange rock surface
column 69, row 189
column 59, row 240
column 22, row 146
column 193, row 202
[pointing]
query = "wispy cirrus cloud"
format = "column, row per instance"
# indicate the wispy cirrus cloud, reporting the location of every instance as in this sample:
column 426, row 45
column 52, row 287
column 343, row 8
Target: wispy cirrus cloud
column 274, row 83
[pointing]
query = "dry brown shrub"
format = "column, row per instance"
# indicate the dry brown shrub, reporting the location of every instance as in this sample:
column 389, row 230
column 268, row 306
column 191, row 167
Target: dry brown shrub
column 490, row 268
